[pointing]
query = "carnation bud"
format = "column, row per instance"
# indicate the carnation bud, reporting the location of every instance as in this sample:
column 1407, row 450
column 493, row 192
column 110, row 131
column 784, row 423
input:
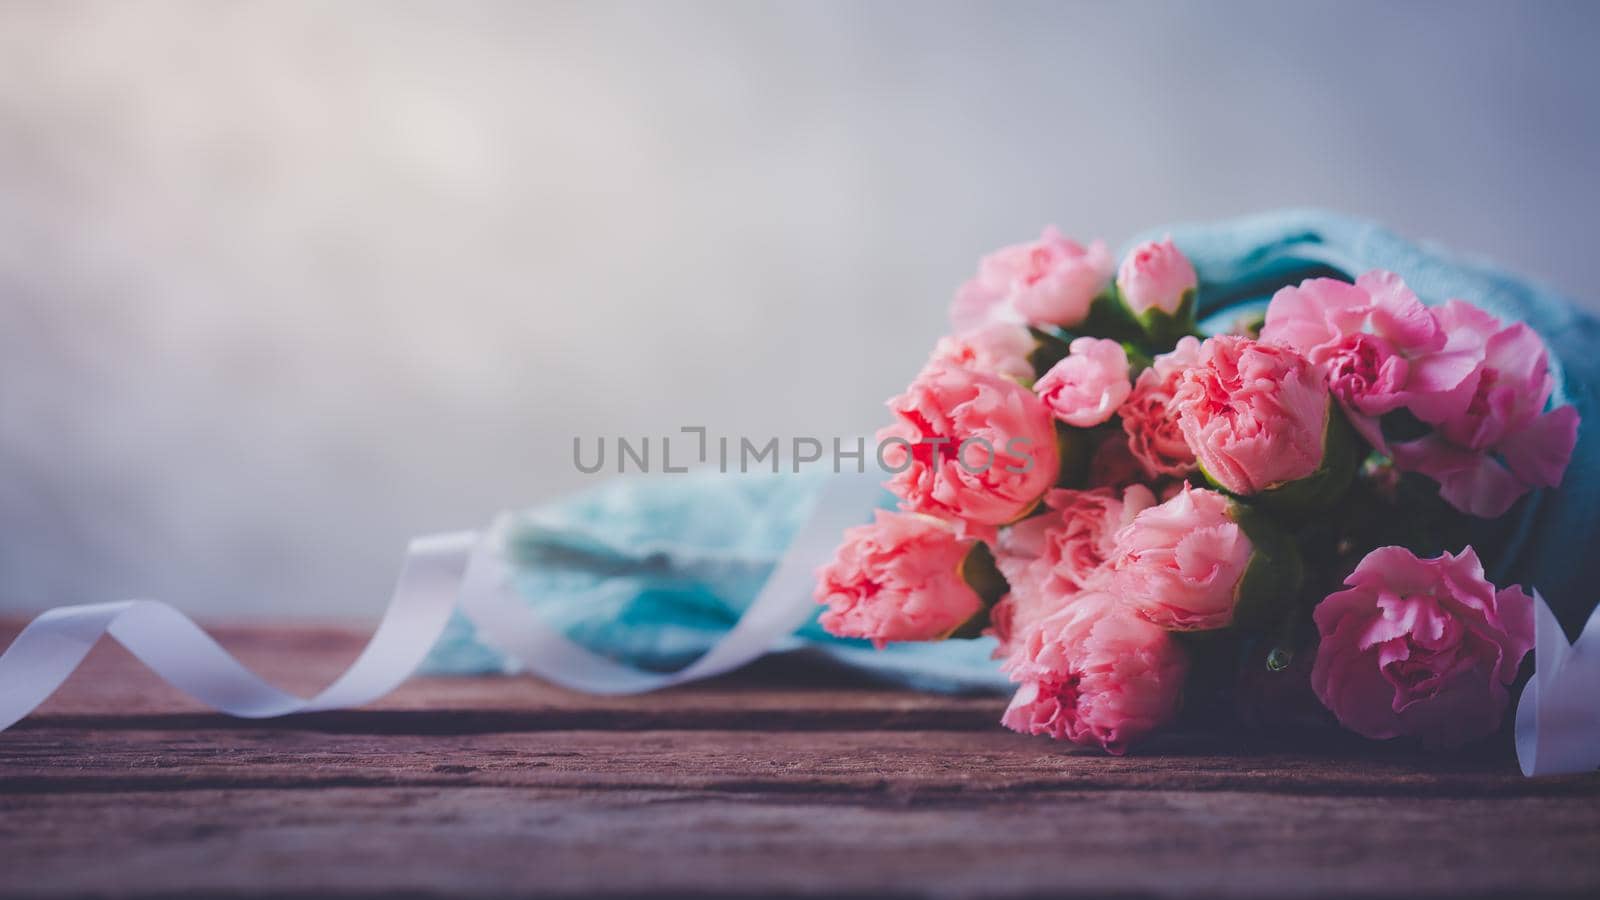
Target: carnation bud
column 1156, row 285
column 1202, row 561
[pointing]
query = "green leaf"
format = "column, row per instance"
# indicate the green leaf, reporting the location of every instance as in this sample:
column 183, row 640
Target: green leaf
column 1162, row 330
column 979, row 571
column 1109, row 318
column 1049, row 349
column 1269, row 590
column 1138, row 360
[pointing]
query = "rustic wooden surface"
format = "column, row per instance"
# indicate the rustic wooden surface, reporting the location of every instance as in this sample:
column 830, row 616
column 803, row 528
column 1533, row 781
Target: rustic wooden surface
column 777, row 780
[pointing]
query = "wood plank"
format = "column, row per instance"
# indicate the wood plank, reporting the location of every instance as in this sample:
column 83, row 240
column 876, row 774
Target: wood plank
column 783, row 778
column 902, row 763
column 496, row 840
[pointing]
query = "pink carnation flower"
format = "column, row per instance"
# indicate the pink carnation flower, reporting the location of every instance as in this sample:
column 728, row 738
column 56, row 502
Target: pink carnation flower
column 1065, row 547
column 1049, row 281
column 1094, row 674
column 998, row 347
column 1498, row 444
column 1148, row 417
column 1155, row 275
column 897, row 579
column 1420, row 647
column 969, row 445
column 1085, row 388
column 1012, row 614
column 1376, row 345
column 1051, row 557
column 1179, row 564
column 1254, row 414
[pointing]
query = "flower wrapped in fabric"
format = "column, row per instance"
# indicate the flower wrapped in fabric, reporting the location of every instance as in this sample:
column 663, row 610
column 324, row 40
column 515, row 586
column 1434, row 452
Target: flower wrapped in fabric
column 1205, row 493
column 1189, row 521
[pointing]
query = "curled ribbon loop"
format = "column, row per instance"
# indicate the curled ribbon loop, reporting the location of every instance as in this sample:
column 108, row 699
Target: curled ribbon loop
column 54, row 643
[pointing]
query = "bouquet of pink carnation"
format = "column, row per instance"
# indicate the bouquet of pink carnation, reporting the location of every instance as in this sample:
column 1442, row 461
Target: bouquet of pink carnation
column 1145, row 517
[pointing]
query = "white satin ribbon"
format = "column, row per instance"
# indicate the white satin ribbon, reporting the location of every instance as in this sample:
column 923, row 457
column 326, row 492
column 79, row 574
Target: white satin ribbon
column 54, row 643
column 440, row 572
column 1558, row 717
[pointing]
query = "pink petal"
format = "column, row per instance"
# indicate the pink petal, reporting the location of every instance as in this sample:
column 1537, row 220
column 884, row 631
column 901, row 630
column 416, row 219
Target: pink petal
column 1398, row 316
column 1437, row 372
column 1519, row 355
column 1474, row 483
column 1298, row 316
column 1369, row 428
column 1539, row 452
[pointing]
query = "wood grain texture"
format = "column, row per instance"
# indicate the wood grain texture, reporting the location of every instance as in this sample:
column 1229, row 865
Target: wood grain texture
column 777, row 780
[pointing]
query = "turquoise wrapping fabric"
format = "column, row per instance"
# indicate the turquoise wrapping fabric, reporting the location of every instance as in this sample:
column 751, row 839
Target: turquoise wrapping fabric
column 652, row 570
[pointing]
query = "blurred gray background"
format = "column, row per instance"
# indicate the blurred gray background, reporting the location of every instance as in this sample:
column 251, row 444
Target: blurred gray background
column 285, row 284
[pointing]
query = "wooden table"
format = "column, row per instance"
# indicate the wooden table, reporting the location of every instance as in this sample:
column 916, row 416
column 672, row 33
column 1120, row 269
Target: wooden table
column 777, row 780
